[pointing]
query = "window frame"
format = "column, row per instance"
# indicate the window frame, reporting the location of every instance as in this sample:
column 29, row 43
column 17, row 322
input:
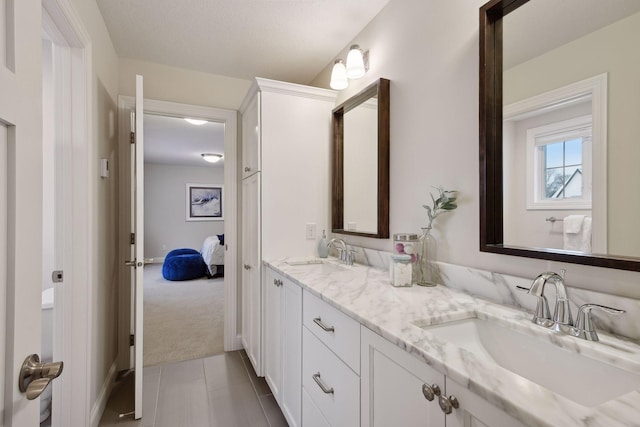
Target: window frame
column 552, row 133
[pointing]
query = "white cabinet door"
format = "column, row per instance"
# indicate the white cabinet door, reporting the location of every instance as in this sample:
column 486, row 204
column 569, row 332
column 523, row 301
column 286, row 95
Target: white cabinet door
column 291, row 352
column 251, row 273
column 391, row 386
column 475, row 411
column 251, row 137
column 273, row 333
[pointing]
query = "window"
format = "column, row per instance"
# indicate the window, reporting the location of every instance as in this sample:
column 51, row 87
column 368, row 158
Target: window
column 559, row 165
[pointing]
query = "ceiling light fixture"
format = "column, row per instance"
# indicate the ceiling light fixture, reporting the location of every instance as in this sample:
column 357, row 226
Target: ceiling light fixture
column 357, row 66
column 197, row 122
column 211, row 158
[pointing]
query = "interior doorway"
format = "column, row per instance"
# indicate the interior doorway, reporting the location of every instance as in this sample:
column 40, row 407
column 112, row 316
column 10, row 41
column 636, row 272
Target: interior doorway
column 228, row 120
column 184, row 222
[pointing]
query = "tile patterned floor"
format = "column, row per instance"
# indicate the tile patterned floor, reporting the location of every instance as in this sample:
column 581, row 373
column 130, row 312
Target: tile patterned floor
column 217, row 391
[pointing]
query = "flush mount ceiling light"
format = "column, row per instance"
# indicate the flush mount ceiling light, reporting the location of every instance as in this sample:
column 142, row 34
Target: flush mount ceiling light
column 338, row 76
column 197, row 122
column 211, row 158
column 357, row 66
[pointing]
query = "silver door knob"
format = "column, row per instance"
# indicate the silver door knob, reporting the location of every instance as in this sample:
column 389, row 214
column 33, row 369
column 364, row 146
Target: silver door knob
column 35, row 376
column 130, row 263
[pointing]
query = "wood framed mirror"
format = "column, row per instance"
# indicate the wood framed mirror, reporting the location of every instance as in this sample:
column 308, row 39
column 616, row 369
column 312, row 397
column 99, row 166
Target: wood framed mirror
column 497, row 79
column 360, row 163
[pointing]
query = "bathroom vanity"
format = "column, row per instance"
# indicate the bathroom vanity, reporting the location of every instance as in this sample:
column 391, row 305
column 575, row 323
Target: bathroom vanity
column 344, row 348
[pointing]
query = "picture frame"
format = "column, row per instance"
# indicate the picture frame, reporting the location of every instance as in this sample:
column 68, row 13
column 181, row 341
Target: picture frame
column 204, row 202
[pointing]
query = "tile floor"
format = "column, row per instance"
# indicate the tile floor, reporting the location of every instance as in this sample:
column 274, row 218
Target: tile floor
column 217, row 391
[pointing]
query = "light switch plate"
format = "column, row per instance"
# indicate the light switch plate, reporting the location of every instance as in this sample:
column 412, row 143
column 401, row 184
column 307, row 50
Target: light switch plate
column 311, row 231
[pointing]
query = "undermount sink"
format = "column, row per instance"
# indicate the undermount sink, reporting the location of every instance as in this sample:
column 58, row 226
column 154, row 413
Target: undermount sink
column 579, row 378
column 316, row 264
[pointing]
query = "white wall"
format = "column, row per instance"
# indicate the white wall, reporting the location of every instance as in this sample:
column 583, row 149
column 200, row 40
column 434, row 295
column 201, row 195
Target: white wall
column 165, row 225
column 587, row 57
column 429, row 51
column 166, row 83
column 105, row 203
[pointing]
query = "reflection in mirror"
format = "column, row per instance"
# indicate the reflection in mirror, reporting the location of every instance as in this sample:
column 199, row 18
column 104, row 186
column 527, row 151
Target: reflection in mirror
column 558, row 160
column 361, row 155
column 360, row 202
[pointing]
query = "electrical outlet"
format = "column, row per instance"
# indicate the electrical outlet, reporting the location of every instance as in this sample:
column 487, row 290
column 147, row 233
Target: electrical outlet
column 311, row 231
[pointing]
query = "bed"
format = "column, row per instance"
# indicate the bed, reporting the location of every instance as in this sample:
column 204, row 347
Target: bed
column 213, row 254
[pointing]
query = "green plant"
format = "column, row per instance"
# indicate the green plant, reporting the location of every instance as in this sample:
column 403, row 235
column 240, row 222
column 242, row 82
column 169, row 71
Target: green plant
column 446, row 202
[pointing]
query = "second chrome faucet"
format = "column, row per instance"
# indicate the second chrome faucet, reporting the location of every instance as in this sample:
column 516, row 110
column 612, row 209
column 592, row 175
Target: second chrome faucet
column 562, row 320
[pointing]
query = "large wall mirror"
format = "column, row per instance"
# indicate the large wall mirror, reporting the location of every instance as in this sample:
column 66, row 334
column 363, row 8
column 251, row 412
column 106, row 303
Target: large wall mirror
column 559, row 130
column 360, row 195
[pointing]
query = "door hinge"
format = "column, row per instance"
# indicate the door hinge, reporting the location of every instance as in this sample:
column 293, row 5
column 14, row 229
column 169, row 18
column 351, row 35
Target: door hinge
column 57, row 276
column 132, row 238
column 133, row 137
column 131, row 340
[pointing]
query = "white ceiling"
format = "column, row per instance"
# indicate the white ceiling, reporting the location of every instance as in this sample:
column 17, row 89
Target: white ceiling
column 173, row 141
column 289, row 40
column 542, row 25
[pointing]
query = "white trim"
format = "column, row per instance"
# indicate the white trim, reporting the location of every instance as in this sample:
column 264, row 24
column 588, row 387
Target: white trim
column 596, row 88
column 103, row 397
column 230, row 197
column 80, row 233
column 286, row 88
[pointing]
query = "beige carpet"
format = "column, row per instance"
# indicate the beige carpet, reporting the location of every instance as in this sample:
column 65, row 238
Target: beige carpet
column 182, row 320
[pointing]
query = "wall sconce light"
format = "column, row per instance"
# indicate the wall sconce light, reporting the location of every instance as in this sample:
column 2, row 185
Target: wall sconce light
column 357, row 66
column 211, row 158
column 339, row 76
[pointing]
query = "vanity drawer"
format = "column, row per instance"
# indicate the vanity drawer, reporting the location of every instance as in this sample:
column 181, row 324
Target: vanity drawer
column 311, row 415
column 336, row 330
column 339, row 401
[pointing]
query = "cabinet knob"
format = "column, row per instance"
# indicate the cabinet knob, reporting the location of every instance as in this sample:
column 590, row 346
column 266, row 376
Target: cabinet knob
column 247, row 267
column 247, row 169
column 448, row 404
column 430, row 391
column 277, row 282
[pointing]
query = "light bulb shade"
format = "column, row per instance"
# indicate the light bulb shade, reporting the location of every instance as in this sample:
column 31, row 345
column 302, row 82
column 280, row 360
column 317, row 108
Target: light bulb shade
column 211, row 158
column 338, row 76
column 355, row 63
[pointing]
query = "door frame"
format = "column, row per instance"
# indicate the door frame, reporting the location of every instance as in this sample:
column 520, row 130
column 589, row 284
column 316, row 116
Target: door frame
column 174, row 109
column 74, row 406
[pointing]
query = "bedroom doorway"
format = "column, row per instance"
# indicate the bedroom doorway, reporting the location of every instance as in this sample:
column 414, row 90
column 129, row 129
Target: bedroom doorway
column 184, row 163
column 180, row 308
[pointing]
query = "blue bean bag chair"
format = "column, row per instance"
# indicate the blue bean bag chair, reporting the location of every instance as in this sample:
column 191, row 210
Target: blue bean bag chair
column 183, row 264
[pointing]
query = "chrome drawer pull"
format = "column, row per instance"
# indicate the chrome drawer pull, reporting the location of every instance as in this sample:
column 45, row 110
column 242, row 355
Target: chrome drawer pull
column 323, row 387
column 318, row 321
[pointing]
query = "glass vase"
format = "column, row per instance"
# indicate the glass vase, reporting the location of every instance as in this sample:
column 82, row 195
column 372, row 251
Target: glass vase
column 427, row 276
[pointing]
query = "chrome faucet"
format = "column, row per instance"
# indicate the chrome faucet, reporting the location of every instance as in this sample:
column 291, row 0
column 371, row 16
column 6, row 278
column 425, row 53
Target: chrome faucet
column 344, row 254
column 562, row 320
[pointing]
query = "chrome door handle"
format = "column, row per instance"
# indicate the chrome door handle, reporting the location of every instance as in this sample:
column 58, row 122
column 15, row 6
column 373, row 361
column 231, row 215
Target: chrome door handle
column 134, row 263
column 35, row 376
column 318, row 321
column 321, row 384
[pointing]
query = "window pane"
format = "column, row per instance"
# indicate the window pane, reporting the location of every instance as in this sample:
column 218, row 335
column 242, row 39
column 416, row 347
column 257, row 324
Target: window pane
column 573, row 182
column 573, row 151
column 553, row 155
column 554, row 182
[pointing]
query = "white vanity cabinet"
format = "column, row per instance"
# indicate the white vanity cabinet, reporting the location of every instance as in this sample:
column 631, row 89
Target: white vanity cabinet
column 286, row 140
column 392, row 383
column 330, row 365
column 283, row 344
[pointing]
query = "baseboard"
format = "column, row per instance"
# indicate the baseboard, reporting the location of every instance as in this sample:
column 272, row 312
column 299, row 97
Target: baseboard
column 103, row 397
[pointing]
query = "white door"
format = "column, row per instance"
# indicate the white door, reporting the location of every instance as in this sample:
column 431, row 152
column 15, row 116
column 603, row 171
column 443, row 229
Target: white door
column 137, row 246
column 20, row 201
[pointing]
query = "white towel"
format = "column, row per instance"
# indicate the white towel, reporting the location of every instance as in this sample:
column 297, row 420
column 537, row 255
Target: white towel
column 577, row 233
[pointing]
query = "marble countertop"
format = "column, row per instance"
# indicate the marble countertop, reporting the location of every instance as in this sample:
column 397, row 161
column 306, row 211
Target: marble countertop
column 398, row 314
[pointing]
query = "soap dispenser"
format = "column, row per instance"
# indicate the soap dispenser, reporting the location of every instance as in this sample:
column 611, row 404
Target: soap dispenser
column 323, row 249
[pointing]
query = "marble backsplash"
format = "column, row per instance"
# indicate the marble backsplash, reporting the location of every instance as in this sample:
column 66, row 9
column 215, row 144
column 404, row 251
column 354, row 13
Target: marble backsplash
column 501, row 289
